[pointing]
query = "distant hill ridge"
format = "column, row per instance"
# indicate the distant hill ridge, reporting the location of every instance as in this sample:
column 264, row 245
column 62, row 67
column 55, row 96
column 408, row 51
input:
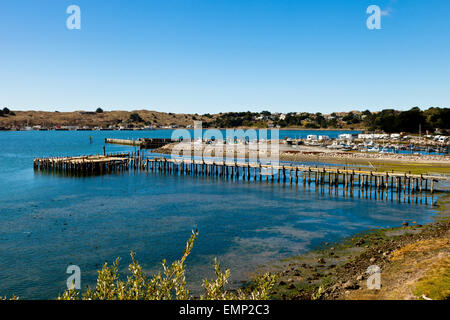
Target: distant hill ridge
column 388, row 120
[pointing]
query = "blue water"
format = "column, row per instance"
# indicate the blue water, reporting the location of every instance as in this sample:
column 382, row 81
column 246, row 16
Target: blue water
column 48, row 222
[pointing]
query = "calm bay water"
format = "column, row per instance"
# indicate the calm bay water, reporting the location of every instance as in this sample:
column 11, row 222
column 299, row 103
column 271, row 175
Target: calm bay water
column 48, row 222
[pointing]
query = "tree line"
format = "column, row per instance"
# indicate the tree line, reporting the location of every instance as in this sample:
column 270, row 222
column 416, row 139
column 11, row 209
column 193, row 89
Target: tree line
column 388, row 120
column 411, row 121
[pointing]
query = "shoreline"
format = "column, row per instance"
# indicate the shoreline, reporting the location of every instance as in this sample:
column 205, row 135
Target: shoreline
column 414, row 260
column 418, row 164
column 205, row 128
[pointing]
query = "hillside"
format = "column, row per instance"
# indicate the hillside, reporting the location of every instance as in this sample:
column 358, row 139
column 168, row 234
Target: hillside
column 94, row 119
column 389, row 120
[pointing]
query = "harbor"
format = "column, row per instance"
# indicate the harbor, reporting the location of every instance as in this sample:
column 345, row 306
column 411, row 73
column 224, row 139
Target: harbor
column 225, row 150
column 89, row 204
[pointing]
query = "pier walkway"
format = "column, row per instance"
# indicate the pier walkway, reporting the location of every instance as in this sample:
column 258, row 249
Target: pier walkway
column 246, row 171
column 143, row 143
column 84, row 164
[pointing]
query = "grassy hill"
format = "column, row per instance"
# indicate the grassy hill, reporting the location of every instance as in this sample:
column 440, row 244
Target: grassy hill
column 139, row 118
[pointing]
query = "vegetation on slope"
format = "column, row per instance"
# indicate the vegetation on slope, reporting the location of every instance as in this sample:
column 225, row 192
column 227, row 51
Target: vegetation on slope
column 388, row 120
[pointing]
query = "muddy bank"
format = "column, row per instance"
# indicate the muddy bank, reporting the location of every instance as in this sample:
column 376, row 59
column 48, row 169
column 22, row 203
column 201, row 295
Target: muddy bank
column 414, row 261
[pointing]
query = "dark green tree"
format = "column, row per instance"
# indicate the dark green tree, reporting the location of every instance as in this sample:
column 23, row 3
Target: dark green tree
column 135, row 117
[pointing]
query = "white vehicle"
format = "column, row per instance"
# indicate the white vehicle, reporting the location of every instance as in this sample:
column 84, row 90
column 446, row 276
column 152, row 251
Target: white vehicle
column 381, row 136
column 311, row 137
column 346, row 136
column 335, row 145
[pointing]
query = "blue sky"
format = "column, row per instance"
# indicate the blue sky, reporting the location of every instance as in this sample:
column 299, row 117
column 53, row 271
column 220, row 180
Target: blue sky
column 208, row 56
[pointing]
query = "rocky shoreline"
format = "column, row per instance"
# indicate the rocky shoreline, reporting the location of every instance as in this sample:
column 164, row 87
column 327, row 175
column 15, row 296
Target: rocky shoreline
column 405, row 255
column 316, row 154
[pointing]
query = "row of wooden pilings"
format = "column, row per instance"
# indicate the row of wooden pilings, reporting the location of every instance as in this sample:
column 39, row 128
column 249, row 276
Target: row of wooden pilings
column 292, row 174
column 92, row 164
column 333, row 177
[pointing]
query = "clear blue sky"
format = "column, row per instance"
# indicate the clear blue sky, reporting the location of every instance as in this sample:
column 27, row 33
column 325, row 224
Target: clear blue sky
column 208, row 56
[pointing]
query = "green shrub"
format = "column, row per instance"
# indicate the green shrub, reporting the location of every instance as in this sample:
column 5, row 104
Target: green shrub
column 167, row 285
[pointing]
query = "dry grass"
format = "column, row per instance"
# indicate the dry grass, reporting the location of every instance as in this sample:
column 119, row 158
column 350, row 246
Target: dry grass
column 420, row 248
column 417, row 269
column 414, row 167
column 435, row 284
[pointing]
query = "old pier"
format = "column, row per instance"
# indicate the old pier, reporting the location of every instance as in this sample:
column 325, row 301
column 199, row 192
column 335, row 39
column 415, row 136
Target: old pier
column 295, row 174
column 93, row 164
column 331, row 178
column 143, row 143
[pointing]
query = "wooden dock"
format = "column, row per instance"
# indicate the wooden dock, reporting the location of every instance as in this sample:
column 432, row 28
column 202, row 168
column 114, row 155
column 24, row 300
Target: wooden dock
column 333, row 178
column 93, row 164
column 125, row 142
column 143, row 143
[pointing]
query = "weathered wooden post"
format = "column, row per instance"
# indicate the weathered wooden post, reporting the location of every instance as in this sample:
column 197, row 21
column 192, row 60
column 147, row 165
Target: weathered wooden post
column 336, row 180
